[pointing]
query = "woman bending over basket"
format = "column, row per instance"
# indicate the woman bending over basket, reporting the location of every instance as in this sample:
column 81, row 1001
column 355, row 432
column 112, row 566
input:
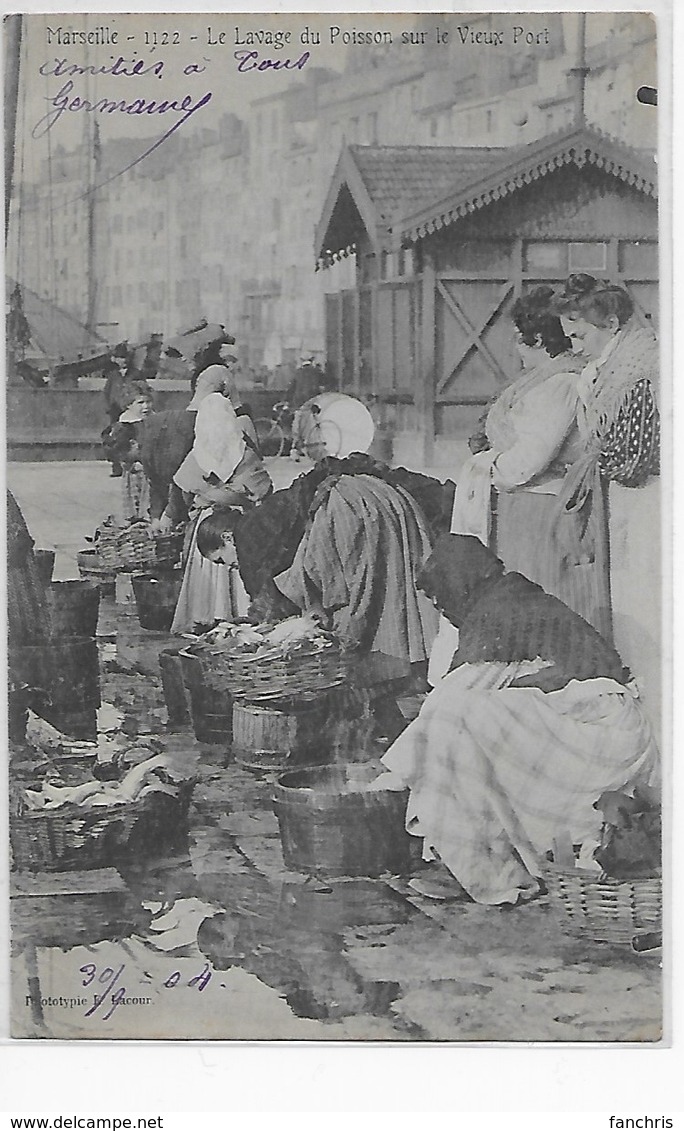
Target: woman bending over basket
column 536, row 718
column 351, row 546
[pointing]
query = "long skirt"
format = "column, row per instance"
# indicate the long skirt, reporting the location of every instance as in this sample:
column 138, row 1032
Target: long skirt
column 527, row 538
column 496, row 773
column 635, row 579
column 210, row 592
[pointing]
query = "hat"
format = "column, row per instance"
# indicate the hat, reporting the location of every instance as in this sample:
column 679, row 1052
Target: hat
column 342, row 425
column 189, row 344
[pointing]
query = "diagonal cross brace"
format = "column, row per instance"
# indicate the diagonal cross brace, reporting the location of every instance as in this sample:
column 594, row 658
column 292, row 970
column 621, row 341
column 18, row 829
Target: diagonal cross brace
column 474, row 334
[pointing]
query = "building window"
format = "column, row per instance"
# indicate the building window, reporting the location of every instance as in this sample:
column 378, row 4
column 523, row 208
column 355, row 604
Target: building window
column 433, row 127
column 587, row 256
column 544, row 257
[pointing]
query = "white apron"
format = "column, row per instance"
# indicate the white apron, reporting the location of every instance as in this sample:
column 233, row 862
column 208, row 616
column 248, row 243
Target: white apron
column 210, row 592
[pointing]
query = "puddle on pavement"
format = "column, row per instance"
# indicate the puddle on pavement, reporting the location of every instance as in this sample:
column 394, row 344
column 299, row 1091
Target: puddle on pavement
column 197, row 956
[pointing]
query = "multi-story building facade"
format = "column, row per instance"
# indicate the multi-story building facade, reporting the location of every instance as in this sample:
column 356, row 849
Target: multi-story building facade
column 221, row 224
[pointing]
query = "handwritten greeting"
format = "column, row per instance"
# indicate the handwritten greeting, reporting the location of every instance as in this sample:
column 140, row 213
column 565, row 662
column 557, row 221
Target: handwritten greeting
column 69, row 99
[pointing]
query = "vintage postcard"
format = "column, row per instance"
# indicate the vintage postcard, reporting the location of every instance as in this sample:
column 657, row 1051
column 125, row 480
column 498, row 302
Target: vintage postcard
column 334, row 408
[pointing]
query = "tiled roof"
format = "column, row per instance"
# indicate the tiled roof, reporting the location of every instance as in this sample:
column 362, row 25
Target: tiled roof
column 522, row 165
column 402, row 193
column 403, row 178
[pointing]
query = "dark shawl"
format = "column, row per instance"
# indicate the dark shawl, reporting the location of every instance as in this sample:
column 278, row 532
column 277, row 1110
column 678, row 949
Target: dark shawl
column 267, row 537
column 506, row 617
column 165, row 440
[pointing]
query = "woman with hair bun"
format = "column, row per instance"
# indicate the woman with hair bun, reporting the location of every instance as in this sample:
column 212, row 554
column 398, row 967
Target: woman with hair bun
column 619, row 424
column 507, row 494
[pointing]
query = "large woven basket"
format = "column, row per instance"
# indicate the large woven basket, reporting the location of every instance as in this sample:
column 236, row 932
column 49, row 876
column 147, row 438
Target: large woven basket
column 259, row 679
column 126, row 548
column 591, row 906
column 72, row 837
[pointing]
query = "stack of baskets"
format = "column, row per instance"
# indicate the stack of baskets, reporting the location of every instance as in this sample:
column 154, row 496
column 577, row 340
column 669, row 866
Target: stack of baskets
column 277, row 700
column 590, row 905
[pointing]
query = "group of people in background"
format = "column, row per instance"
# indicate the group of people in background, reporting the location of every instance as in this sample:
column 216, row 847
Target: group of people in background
column 515, row 590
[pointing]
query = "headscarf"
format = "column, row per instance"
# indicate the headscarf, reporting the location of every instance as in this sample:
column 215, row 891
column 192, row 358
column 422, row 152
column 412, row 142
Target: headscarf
column 456, row 573
column 219, row 440
column 341, row 424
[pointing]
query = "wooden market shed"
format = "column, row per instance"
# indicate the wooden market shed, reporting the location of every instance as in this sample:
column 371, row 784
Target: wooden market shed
column 445, row 240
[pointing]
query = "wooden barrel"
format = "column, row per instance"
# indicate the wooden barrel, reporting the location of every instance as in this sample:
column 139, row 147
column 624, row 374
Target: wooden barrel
column 64, row 681
column 175, row 696
column 65, row 672
column 74, row 608
column 266, row 737
column 156, row 599
column 45, row 562
column 211, row 711
column 92, row 568
column 331, row 824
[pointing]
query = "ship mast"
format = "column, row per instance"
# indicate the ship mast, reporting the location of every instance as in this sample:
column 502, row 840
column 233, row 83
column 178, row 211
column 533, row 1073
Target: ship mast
column 92, row 143
column 91, row 278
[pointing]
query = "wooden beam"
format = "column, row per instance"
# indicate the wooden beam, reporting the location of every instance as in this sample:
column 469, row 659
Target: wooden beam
column 425, row 397
column 474, row 333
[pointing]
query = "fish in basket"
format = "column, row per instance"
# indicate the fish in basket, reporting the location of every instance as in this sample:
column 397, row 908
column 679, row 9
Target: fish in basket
column 125, row 547
column 60, row 828
column 294, row 659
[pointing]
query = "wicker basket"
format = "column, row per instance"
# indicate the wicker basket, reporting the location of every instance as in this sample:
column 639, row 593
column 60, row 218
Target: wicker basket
column 126, row 548
column 597, row 907
column 72, row 837
column 258, row 679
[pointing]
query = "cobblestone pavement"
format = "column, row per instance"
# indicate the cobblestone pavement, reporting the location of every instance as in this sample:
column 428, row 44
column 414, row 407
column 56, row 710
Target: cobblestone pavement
column 214, row 938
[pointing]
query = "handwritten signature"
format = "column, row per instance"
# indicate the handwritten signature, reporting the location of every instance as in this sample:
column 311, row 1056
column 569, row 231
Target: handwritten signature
column 67, row 100
column 113, row 993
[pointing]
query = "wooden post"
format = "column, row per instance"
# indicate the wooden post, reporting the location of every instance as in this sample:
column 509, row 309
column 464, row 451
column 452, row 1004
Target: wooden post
column 425, row 393
column 517, row 267
column 356, row 340
column 375, row 348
